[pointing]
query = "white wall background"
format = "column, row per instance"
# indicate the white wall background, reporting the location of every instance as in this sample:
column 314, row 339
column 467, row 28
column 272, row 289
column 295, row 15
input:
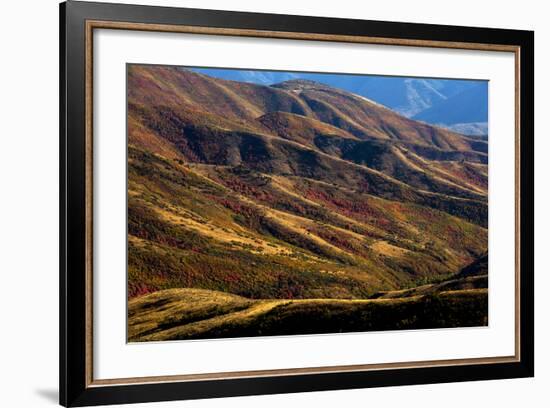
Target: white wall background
column 29, row 202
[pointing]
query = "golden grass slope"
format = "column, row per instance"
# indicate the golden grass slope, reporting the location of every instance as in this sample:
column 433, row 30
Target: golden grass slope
column 211, row 227
column 254, row 209
column 181, row 314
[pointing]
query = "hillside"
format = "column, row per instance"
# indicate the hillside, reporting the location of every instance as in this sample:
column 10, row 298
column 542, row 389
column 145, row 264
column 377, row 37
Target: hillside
column 447, row 102
column 206, row 314
column 292, row 191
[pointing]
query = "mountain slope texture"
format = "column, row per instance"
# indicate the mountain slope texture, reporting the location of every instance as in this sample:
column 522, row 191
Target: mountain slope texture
column 253, row 207
column 442, row 102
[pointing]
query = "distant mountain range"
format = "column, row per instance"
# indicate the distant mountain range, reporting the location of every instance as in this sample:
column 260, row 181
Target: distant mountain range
column 461, row 105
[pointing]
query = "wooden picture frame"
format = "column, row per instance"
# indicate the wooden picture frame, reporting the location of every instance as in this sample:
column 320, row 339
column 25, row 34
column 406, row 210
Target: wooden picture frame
column 78, row 20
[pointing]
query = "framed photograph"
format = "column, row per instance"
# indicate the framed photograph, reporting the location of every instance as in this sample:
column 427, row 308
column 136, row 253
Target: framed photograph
column 256, row 204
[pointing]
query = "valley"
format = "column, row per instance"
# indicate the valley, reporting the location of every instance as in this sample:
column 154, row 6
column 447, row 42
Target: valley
column 252, row 208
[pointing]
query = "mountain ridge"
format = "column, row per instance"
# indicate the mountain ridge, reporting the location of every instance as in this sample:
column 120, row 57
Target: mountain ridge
column 410, row 97
column 263, row 192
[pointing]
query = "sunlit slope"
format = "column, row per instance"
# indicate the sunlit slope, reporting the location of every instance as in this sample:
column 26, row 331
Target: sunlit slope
column 182, row 314
column 180, row 107
column 293, row 191
column 255, row 235
column 272, row 155
column 154, row 86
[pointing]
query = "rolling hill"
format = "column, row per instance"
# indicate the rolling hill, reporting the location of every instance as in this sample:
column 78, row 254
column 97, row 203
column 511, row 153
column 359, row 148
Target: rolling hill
column 444, row 102
column 427, row 99
column 265, row 195
column 199, row 314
